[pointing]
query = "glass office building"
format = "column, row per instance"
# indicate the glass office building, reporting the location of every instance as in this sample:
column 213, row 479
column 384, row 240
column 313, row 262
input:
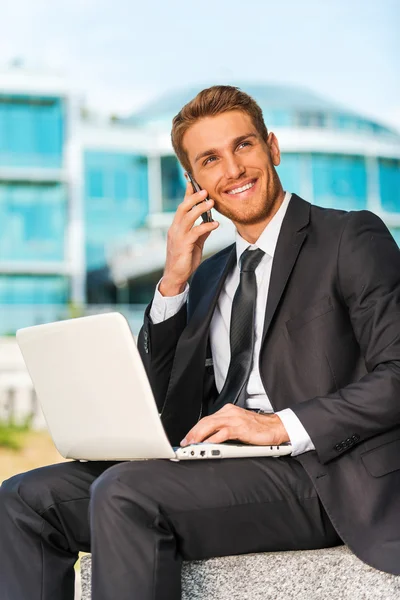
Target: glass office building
column 85, row 204
column 33, row 205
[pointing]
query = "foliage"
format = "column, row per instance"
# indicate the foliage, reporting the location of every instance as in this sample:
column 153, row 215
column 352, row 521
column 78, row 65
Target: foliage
column 75, row 310
column 10, row 433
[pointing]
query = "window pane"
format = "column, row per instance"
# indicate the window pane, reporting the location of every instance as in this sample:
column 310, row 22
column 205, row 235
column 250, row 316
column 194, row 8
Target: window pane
column 95, row 183
column 31, row 131
column 389, row 183
column 289, row 172
column 116, row 200
column 173, row 183
column 339, row 181
column 395, row 231
column 33, row 220
column 33, row 289
column 121, row 185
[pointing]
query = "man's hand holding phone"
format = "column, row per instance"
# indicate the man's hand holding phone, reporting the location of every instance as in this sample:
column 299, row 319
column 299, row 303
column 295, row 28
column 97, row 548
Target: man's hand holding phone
column 185, row 241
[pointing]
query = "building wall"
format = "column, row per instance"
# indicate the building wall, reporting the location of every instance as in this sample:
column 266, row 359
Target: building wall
column 33, row 221
column 33, row 208
column 116, row 203
column 121, row 178
column 31, row 130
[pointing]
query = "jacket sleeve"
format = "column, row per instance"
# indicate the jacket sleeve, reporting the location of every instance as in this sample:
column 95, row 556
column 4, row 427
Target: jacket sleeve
column 368, row 272
column 157, row 345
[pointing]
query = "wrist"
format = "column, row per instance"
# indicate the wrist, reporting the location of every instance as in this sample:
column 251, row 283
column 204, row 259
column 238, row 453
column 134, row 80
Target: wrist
column 274, row 423
column 171, row 288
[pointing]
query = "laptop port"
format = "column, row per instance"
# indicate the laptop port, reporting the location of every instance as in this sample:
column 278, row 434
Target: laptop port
column 202, row 452
column 192, row 453
column 215, row 452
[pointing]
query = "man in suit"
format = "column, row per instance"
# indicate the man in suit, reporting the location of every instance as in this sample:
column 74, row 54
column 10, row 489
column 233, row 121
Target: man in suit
column 299, row 319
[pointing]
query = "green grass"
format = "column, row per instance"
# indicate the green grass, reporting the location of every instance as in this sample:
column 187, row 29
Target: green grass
column 10, row 433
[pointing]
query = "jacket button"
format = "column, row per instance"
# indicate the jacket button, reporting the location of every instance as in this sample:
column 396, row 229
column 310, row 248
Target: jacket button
column 146, row 341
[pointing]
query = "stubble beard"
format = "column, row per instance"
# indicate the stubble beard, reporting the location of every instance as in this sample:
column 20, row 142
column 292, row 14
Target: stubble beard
column 253, row 215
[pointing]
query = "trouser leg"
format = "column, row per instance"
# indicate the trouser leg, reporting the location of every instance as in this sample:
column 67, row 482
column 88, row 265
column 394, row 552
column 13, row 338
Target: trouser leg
column 43, row 524
column 148, row 516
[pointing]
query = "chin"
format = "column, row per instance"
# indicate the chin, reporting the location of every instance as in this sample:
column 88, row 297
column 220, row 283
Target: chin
column 245, row 217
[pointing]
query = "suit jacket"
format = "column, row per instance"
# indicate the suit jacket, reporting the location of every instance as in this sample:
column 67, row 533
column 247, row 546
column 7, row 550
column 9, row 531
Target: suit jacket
column 330, row 352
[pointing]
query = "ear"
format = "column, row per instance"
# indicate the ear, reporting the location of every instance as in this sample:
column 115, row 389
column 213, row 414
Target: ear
column 273, row 145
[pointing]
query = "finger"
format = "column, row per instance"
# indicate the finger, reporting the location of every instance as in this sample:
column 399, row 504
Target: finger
column 200, row 230
column 223, row 435
column 201, row 240
column 190, row 200
column 192, row 197
column 194, row 213
column 232, row 408
column 203, row 429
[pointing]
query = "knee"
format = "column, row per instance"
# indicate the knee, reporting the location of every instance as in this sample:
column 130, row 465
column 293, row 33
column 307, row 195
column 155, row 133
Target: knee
column 11, row 487
column 10, row 493
column 107, row 487
column 118, row 485
column 101, row 489
column 27, row 488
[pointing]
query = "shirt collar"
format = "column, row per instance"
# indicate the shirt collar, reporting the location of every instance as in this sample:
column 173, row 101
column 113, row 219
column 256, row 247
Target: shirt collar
column 269, row 237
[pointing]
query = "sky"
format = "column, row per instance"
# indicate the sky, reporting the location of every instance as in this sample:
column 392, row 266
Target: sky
column 121, row 53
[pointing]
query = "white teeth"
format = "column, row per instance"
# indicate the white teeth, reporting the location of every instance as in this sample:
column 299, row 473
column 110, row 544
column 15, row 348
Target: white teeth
column 242, row 189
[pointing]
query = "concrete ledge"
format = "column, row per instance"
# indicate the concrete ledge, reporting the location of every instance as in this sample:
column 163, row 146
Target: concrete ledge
column 330, row 574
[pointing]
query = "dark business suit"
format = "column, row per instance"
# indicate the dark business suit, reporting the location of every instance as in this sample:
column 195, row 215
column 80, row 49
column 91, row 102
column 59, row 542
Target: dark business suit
column 330, row 352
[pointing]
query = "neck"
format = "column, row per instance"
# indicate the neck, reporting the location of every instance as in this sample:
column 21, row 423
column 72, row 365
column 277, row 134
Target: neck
column 251, row 232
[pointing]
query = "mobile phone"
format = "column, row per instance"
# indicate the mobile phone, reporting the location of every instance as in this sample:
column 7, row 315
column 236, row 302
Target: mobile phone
column 206, row 216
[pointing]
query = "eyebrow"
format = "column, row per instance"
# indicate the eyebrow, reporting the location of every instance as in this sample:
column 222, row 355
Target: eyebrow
column 234, row 143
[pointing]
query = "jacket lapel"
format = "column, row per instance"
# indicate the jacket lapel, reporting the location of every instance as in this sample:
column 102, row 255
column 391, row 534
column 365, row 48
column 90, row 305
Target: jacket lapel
column 185, row 391
column 214, row 279
column 290, row 241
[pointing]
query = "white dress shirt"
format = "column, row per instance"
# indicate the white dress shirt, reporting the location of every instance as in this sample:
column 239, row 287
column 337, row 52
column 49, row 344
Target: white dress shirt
column 165, row 307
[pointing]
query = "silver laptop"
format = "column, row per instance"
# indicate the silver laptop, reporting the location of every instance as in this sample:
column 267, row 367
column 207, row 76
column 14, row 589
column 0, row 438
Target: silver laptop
column 96, row 398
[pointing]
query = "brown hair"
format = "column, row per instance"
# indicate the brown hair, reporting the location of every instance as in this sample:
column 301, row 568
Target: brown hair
column 209, row 103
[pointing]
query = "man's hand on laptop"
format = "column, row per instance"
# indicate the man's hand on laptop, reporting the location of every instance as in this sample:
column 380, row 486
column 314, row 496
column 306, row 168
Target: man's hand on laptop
column 235, row 423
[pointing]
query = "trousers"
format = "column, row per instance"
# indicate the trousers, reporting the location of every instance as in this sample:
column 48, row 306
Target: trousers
column 141, row 519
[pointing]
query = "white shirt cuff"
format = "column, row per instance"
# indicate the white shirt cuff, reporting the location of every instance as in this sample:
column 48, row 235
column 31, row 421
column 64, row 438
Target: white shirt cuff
column 164, row 307
column 299, row 438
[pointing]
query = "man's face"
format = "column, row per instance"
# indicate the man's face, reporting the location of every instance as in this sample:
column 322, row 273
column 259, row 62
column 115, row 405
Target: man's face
column 235, row 165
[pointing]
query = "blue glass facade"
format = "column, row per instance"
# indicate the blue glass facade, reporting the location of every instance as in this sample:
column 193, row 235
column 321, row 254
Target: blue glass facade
column 335, row 181
column 395, row 231
column 33, row 289
column 291, row 171
column 31, row 300
column 339, row 181
column 389, row 184
column 173, row 183
column 33, row 221
column 116, row 200
column 31, row 131
column 33, row 209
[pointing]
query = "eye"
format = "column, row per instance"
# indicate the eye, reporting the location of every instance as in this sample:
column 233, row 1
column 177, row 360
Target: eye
column 244, row 144
column 208, row 160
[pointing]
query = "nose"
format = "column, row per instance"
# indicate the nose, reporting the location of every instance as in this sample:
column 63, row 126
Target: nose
column 233, row 168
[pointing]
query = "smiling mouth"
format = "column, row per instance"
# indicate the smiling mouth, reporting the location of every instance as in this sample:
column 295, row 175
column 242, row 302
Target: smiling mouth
column 243, row 188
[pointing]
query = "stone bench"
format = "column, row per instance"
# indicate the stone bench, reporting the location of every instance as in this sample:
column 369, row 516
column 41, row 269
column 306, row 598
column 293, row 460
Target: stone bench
column 330, row 574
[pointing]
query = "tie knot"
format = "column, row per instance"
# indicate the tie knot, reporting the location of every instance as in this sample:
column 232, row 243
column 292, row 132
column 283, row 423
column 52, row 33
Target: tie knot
column 250, row 259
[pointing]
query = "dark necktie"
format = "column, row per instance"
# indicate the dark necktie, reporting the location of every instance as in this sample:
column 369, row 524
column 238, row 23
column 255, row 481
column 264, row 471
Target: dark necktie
column 242, row 332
